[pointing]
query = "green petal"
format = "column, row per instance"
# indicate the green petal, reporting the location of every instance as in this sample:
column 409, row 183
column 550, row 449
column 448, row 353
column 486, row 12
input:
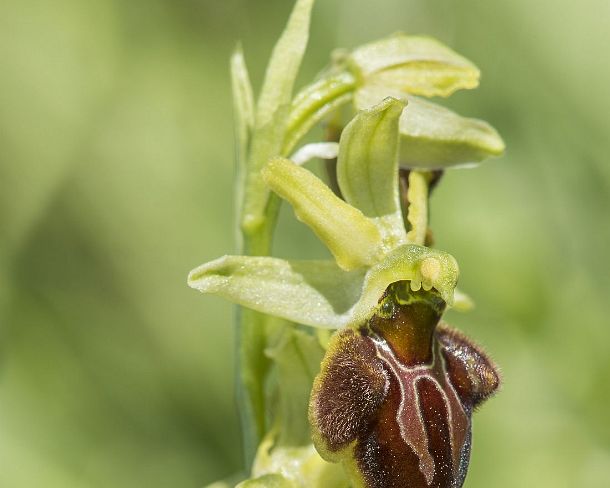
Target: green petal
column 422, row 266
column 316, row 293
column 367, row 168
column 352, row 238
column 434, row 137
column 413, row 64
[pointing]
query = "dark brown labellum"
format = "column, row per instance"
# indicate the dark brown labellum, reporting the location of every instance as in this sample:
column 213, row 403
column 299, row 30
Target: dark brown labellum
column 394, row 399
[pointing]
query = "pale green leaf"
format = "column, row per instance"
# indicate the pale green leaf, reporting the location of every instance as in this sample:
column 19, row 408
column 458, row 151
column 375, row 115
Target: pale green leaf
column 316, row 293
column 353, row 239
column 413, row 64
column 367, row 168
column 434, row 137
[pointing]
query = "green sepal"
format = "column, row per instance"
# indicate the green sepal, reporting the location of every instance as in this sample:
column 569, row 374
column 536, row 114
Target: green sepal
column 316, row 293
column 319, row 293
column 434, row 137
column 367, row 168
column 413, row 64
column 353, row 239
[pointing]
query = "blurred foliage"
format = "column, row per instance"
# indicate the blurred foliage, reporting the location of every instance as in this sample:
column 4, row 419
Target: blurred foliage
column 115, row 180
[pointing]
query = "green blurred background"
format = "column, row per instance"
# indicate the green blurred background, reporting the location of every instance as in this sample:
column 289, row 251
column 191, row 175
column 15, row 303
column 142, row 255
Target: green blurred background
column 116, row 176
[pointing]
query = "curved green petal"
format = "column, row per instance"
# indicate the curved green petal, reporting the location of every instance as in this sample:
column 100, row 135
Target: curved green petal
column 316, row 293
column 367, row 168
column 434, row 137
column 413, row 64
column 352, row 238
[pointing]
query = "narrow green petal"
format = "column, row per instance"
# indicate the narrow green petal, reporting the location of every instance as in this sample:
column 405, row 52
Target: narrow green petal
column 367, row 168
column 316, row 293
column 434, row 137
column 352, row 238
column 422, row 266
column 414, row 64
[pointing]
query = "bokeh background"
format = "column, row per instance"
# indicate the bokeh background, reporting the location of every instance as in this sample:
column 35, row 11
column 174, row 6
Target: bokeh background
column 116, row 177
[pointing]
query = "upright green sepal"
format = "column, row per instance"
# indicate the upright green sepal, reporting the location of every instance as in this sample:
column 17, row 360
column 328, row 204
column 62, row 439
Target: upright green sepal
column 367, row 168
column 352, row 238
column 413, row 64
